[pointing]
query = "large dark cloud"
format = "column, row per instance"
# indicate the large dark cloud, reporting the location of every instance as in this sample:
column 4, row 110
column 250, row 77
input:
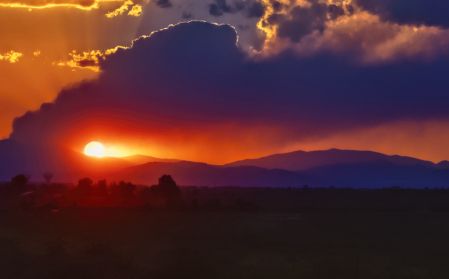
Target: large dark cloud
column 193, row 75
column 433, row 13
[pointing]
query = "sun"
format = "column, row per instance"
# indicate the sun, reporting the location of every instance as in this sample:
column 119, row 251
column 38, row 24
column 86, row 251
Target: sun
column 94, row 149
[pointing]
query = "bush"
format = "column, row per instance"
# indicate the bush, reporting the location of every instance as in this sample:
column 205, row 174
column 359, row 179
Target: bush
column 166, row 189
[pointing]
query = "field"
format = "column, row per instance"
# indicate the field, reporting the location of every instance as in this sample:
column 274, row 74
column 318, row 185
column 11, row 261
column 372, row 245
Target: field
column 134, row 243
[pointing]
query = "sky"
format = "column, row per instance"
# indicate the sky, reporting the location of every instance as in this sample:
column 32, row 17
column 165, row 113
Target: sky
column 218, row 81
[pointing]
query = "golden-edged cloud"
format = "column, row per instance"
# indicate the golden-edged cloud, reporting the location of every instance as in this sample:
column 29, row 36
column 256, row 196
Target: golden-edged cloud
column 11, row 56
column 41, row 4
column 86, row 5
column 310, row 27
column 136, row 10
column 119, row 10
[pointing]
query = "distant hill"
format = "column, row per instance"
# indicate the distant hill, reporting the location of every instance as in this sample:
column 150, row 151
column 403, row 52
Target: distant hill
column 142, row 159
column 378, row 174
column 339, row 168
column 201, row 174
column 374, row 174
column 302, row 160
column 442, row 165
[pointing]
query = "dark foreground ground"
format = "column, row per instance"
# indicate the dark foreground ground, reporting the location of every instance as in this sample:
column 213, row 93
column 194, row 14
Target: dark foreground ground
column 137, row 244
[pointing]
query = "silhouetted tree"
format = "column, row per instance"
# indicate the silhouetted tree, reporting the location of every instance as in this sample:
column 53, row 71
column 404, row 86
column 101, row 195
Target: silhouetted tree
column 84, row 187
column 113, row 189
column 125, row 190
column 166, row 189
column 102, row 188
column 19, row 184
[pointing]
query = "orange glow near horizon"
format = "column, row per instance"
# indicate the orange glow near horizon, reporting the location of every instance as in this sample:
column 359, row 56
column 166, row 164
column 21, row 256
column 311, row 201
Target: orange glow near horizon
column 230, row 145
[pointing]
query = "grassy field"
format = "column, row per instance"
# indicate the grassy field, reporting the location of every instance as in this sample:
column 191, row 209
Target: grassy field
column 138, row 244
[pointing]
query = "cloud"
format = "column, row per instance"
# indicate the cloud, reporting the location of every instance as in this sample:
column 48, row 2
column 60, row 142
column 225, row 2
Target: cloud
column 163, row 3
column 28, row 83
column 38, row 4
column 416, row 12
column 354, row 42
column 364, row 38
column 280, row 28
column 336, row 11
column 136, row 10
column 256, row 9
column 304, row 20
column 11, row 56
column 299, row 21
column 120, row 10
column 86, row 5
column 191, row 86
column 251, row 9
column 186, row 15
column 316, row 28
column 277, row 6
column 221, row 7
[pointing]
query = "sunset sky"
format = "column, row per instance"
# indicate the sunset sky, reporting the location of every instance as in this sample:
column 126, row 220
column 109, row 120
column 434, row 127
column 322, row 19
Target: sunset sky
column 218, row 80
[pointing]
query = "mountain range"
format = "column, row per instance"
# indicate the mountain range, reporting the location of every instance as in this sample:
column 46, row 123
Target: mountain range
column 302, row 160
column 334, row 167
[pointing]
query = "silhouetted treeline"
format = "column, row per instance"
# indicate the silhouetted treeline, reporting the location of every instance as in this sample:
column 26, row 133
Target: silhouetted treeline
column 165, row 189
column 19, row 185
column 88, row 194
column 86, row 188
column 167, row 194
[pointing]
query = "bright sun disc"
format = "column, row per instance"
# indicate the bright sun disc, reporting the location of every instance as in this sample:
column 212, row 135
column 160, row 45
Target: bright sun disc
column 94, row 149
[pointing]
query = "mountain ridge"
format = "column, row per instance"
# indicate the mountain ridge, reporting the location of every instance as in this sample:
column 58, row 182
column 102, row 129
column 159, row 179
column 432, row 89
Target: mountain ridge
column 324, row 168
column 373, row 174
column 303, row 160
